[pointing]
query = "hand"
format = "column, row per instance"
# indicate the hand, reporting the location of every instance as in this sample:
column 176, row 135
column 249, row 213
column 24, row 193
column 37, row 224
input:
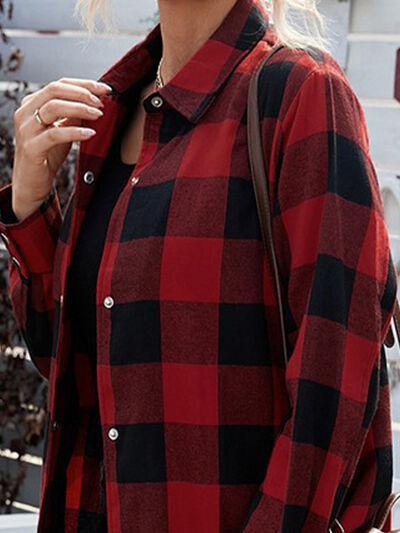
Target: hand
column 41, row 150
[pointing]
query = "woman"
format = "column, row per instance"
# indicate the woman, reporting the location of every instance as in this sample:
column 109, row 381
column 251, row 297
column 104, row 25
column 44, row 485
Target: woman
column 149, row 305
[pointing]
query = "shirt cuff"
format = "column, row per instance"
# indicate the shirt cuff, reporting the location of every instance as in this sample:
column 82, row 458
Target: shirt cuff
column 30, row 242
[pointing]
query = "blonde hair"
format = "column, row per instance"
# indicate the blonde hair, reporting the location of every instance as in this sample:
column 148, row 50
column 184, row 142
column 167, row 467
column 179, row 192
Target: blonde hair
column 298, row 23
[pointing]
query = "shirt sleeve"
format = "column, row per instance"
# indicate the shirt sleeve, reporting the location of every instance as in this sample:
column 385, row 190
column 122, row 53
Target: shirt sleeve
column 31, row 244
column 339, row 290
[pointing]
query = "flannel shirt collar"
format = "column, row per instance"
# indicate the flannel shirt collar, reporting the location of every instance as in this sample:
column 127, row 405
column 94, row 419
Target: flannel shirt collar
column 194, row 87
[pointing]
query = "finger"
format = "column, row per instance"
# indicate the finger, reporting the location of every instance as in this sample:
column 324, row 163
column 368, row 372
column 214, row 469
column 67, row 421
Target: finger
column 60, row 90
column 56, row 109
column 40, row 145
column 97, row 87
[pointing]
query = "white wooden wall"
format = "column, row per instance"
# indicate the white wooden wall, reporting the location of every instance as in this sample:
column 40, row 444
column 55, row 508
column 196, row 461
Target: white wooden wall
column 55, row 46
column 365, row 34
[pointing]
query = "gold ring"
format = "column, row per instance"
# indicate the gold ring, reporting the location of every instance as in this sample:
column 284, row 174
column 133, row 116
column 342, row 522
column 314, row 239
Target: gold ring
column 39, row 119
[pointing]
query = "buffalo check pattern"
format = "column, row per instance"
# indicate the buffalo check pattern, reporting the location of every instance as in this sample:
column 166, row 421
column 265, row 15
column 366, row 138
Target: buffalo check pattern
column 201, row 426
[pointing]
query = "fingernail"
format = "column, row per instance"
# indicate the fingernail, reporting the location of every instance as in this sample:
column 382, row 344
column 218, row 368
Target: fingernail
column 95, row 111
column 95, row 99
column 87, row 132
column 104, row 86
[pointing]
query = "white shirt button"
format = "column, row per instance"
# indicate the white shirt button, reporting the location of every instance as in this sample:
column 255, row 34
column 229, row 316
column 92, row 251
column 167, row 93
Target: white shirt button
column 88, row 177
column 108, row 302
column 157, row 101
column 113, row 433
column 134, row 180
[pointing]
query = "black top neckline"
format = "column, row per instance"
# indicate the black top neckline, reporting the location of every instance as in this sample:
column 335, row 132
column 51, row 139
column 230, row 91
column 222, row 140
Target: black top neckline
column 116, row 146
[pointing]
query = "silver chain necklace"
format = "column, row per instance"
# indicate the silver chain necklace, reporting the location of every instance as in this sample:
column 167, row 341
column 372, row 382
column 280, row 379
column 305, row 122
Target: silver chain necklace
column 159, row 82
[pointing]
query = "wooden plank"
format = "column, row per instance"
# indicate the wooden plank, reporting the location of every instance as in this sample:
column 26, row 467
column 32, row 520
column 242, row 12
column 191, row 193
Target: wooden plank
column 49, row 57
column 374, row 78
column 133, row 17
column 49, row 15
column 30, row 488
column 377, row 17
column 19, row 523
column 383, row 121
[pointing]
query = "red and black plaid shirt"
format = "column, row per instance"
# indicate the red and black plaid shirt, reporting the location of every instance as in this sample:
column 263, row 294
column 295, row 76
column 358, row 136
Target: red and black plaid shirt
column 193, row 392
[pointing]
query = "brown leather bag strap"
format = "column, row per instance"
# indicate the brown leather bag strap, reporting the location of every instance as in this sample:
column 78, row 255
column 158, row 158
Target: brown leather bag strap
column 257, row 164
column 384, row 510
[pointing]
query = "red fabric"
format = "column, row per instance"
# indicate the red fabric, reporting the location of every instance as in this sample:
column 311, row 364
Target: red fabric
column 190, row 369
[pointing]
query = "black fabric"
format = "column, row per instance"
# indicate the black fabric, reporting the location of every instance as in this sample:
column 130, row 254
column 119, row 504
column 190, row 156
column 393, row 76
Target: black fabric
column 89, row 246
column 83, row 273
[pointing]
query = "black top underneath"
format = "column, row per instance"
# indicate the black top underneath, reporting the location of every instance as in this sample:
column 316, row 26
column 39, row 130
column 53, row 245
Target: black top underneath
column 90, row 242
